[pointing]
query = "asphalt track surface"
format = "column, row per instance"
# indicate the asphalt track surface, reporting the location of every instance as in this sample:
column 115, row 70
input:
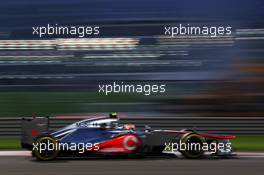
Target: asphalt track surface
column 241, row 164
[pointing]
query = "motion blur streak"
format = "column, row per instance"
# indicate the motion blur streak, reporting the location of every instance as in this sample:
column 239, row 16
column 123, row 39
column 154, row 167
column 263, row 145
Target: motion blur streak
column 205, row 76
column 65, row 44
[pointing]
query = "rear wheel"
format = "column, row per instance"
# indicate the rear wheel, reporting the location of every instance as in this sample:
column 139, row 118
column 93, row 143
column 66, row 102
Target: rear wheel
column 193, row 146
column 45, row 148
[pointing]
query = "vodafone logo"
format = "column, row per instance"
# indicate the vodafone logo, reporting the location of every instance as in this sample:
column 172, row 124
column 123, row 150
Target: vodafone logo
column 130, row 142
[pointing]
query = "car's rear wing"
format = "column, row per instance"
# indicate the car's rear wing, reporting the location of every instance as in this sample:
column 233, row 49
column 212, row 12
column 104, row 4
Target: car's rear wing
column 32, row 128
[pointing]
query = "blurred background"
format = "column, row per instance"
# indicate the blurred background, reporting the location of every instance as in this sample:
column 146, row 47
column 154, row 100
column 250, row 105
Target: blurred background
column 213, row 85
column 204, row 76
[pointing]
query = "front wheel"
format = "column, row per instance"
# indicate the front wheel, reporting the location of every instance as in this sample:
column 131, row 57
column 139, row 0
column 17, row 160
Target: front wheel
column 45, row 147
column 193, row 146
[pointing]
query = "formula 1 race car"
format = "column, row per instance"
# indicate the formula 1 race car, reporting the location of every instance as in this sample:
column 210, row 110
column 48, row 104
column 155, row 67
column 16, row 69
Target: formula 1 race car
column 106, row 136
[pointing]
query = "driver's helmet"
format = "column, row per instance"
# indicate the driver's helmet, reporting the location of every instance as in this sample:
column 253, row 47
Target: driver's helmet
column 129, row 127
column 113, row 115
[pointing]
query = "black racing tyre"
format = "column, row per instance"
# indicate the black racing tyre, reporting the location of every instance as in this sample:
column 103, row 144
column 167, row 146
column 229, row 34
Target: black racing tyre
column 212, row 144
column 194, row 144
column 45, row 148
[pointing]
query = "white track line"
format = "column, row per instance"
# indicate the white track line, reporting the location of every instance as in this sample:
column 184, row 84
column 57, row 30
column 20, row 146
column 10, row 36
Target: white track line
column 250, row 154
column 15, row 153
